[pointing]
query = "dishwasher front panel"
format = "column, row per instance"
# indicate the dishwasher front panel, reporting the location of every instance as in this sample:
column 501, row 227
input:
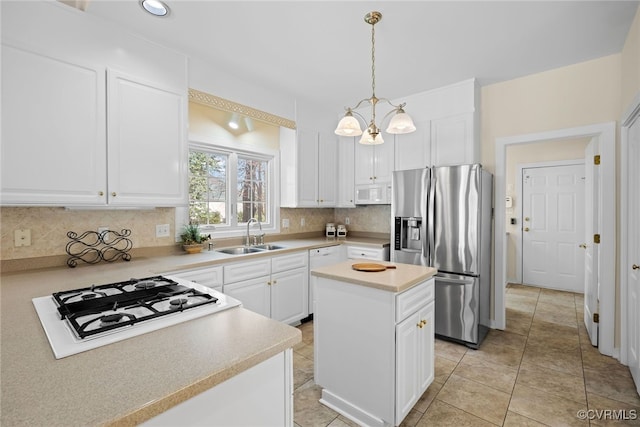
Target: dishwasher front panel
column 457, row 308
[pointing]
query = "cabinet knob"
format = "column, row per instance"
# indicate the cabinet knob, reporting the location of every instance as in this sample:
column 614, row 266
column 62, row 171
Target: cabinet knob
column 113, row 194
column 635, row 266
column 424, row 322
column 269, row 283
column 419, row 325
column 274, row 282
column 100, row 193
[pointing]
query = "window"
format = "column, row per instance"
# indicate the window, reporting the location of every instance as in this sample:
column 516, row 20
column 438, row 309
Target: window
column 227, row 188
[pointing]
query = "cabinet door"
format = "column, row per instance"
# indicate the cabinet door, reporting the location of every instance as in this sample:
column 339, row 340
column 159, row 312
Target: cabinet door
column 413, row 150
column 147, row 143
column 53, row 131
column 346, row 182
column 327, row 169
column 426, row 348
column 254, row 294
column 414, row 359
column 407, row 361
column 307, row 168
column 383, row 163
column 452, row 140
column 289, row 295
column 363, row 166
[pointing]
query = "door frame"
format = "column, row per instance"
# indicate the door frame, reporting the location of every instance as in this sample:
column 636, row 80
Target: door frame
column 519, row 193
column 606, row 132
column 632, row 114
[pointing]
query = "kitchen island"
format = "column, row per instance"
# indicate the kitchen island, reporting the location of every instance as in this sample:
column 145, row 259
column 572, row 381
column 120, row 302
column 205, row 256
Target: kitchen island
column 131, row 381
column 374, row 339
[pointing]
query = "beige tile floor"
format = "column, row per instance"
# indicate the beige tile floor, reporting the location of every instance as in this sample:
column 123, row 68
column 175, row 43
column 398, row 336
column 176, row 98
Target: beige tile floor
column 540, row 371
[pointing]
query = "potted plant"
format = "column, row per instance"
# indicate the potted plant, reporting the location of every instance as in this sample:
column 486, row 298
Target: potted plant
column 192, row 239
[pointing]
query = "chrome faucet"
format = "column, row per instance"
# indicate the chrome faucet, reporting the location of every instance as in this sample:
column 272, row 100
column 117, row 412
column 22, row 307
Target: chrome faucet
column 247, row 241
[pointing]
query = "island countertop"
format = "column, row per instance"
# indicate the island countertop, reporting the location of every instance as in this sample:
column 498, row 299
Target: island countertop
column 397, row 279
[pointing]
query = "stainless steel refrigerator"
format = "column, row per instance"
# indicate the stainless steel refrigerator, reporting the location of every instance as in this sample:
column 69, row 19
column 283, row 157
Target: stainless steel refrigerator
column 441, row 217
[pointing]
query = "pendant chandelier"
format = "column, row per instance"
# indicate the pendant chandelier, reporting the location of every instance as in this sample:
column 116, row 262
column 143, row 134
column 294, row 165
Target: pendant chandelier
column 399, row 123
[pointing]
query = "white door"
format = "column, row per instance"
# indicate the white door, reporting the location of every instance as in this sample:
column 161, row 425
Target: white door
column 591, row 255
column 553, row 227
column 633, row 251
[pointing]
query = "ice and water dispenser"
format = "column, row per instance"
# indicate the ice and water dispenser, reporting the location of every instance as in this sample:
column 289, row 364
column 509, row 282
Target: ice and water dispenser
column 408, row 234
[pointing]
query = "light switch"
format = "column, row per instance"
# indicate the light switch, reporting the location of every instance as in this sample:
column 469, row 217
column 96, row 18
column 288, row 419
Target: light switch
column 22, row 237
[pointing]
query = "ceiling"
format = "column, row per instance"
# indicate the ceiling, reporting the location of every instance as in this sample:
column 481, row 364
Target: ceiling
column 320, row 51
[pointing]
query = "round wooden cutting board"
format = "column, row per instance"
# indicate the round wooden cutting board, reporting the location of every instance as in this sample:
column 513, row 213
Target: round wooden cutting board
column 371, row 267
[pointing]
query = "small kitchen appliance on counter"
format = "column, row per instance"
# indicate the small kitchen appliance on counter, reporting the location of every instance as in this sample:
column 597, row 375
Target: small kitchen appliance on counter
column 83, row 319
column 331, row 229
column 341, row 231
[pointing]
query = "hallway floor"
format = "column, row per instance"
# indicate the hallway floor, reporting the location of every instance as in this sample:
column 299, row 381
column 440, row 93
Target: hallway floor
column 540, row 371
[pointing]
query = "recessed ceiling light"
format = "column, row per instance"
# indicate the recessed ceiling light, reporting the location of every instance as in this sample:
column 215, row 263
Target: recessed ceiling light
column 155, row 7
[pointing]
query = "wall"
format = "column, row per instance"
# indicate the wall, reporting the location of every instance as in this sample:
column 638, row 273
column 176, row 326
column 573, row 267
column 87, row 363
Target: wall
column 527, row 154
column 631, row 64
column 49, row 227
column 578, row 95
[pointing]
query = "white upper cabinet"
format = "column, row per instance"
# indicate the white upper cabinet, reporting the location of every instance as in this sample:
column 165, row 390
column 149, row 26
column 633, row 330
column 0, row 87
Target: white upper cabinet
column 327, row 169
column 53, row 130
column 453, row 140
column 346, row 183
column 447, row 128
column 374, row 163
column 413, row 150
column 96, row 120
column 309, row 168
column 146, row 150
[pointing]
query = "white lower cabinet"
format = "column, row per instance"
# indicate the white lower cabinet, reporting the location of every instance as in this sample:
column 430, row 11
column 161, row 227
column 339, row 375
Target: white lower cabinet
column 208, row 276
column 275, row 287
column 363, row 252
column 414, row 359
column 259, row 396
column 374, row 349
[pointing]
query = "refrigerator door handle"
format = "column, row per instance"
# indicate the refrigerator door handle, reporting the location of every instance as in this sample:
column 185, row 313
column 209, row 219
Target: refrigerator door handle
column 431, row 242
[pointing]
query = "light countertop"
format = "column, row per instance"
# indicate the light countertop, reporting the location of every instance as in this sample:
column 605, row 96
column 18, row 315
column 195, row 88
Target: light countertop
column 403, row 277
column 130, row 381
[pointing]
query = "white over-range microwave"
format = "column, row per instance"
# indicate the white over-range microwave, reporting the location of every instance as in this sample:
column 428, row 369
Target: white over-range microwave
column 373, row 194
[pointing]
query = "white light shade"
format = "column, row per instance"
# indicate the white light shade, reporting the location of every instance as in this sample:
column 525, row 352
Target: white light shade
column 368, row 139
column 401, row 123
column 348, row 126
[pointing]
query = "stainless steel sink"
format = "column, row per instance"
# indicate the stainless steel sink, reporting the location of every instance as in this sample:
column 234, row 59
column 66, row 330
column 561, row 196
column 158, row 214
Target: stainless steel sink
column 268, row 247
column 240, row 250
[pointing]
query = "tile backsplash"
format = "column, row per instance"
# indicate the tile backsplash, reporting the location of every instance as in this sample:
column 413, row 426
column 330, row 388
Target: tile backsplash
column 49, row 226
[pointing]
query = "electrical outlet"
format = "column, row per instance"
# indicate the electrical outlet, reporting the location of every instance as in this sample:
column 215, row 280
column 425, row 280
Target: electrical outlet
column 22, row 237
column 301, row 222
column 162, row 230
column 285, row 223
column 347, row 221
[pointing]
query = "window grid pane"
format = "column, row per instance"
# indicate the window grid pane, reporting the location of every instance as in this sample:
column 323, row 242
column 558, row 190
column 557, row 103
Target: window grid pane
column 207, row 187
column 252, row 190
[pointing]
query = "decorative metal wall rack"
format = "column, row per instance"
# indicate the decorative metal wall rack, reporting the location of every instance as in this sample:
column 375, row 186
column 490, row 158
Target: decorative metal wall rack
column 93, row 246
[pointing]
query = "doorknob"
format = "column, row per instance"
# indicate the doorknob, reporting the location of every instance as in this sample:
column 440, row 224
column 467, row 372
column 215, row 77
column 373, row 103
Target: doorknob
column 526, row 229
column 583, row 246
column 635, row 266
